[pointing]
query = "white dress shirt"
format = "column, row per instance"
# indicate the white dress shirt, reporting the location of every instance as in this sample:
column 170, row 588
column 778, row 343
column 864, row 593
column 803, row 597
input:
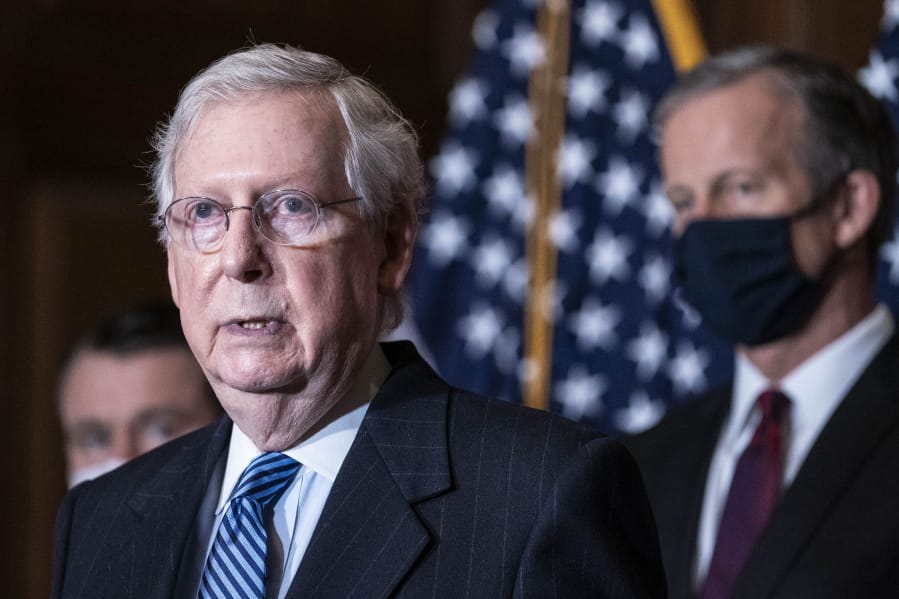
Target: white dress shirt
column 815, row 389
column 296, row 513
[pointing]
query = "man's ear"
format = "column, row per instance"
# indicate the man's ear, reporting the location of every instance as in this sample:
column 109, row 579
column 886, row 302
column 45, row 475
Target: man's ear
column 855, row 215
column 173, row 281
column 399, row 243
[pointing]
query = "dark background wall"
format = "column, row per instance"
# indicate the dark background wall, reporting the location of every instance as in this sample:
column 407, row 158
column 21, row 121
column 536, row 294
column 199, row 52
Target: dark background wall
column 83, row 84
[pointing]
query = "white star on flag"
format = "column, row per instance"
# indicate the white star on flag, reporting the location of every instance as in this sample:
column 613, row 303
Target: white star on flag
column 515, row 281
column 491, row 259
column 506, row 350
column 467, row 101
column 607, row 256
column 594, row 325
column 575, row 158
column 631, row 114
column 890, row 253
column 453, row 168
column 504, row 190
column 514, row 120
column 444, row 237
column 525, row 50
column 599, row 22
column 648, row 350
column 480, row 329
column 563, row 228
column 587, row 91
column 890, row 16
column 580, row 393
column 619, row 185
column 655, row 278
column 690, row 316
column 880, row 76
column 640, row 414
column 687, row 367
column 639, row 43
column 657, row 210
column 484, row 30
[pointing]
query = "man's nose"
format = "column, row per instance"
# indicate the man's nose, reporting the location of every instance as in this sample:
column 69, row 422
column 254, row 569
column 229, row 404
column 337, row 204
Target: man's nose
column 124, row 445
column 700, row 208
column 703, row 208
column 242, row 253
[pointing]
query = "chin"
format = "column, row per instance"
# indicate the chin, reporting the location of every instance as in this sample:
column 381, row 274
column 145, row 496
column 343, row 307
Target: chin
column 266, row 385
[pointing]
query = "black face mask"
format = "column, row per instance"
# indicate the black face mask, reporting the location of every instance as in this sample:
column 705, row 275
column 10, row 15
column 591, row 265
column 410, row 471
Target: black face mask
column 742, row 278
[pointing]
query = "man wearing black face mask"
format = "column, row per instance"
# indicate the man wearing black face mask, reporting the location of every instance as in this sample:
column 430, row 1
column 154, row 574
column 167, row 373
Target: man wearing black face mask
column 781, row 170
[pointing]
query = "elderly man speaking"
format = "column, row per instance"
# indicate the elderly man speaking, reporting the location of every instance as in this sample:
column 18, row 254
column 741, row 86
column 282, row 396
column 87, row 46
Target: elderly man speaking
column 288, row 192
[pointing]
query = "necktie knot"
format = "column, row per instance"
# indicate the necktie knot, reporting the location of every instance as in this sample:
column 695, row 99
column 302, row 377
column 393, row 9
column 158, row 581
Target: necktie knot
column 266, row 477
column 768, row 436
column 773, row 404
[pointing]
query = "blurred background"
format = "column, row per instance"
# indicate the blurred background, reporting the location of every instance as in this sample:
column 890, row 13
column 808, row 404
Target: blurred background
column 83, row 85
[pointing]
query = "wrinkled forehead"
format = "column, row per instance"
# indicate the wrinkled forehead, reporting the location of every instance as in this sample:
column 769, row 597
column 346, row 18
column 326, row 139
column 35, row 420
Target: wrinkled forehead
column 752, row 116
column 293, row 126
column 750, row 101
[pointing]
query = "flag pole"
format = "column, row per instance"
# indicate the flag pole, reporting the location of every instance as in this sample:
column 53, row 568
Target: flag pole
column 546, row 95
column 679, row 26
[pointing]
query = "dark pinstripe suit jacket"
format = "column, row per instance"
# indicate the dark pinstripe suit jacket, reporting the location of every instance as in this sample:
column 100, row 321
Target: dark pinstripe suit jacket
column 834, row 533
column 443, row 494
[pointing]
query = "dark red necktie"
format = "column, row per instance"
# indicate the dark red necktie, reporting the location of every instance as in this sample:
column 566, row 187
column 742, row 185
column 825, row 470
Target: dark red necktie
column 753, row 493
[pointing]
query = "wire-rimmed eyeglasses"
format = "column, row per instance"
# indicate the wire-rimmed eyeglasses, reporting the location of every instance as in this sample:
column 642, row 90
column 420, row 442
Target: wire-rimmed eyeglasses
column 282, row 216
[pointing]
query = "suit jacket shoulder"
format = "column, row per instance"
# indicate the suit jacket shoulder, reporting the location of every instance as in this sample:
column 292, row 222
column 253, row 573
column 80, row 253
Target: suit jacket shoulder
column 835, row 530
column 448, row 494
column 124, row 533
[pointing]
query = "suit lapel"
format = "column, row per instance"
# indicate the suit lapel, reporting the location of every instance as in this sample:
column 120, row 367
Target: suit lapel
column 868, row 412
column 369, row 536
column 165, row 508
column 682, row 503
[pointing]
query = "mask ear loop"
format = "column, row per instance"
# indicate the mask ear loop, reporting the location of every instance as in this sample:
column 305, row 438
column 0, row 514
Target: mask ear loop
column 820, row 201
column 823, row 199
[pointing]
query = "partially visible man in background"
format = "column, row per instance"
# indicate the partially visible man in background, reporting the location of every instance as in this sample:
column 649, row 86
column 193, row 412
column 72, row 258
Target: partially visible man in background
column 130, row 385
column 782, row 172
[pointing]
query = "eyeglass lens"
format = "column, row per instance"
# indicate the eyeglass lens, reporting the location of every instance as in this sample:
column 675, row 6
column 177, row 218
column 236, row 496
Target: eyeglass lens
column 283, row 217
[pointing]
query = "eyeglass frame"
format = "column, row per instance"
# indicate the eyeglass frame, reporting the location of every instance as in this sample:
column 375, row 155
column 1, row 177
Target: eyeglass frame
column 254, row 218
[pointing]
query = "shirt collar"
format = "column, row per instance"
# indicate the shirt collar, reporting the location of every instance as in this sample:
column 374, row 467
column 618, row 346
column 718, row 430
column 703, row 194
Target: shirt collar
column 816, row 386
column 324, row 451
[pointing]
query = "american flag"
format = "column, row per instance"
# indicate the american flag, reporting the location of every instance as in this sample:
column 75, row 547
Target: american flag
column 623, row 346
column 881, row 77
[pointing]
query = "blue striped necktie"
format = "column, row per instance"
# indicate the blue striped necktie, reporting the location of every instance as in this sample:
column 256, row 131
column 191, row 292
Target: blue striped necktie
column 236, row 564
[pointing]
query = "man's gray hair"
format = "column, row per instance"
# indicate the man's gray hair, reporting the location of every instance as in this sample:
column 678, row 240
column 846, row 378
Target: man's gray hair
column 381, row 159
column 844, row 126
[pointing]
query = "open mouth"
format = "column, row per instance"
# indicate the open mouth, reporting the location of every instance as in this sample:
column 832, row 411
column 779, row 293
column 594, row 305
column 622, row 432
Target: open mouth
column 255, row 325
